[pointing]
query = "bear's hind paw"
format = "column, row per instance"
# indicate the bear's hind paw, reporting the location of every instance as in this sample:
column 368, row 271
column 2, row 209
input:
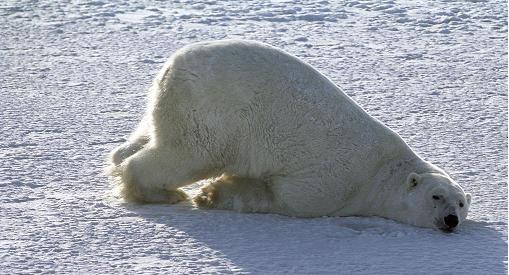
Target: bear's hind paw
column 157, row 196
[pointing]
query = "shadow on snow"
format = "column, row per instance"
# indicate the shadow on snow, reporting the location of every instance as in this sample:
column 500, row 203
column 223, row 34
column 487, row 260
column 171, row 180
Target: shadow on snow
column 266, row 242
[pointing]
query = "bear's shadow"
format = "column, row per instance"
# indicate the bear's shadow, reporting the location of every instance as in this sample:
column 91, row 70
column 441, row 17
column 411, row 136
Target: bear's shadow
column 261, row 243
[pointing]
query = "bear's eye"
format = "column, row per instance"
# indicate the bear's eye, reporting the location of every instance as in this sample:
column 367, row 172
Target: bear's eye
column 461, row 204
column 435, row 197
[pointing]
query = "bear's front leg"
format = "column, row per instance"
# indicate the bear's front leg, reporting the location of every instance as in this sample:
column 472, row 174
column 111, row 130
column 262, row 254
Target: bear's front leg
column 236, row 193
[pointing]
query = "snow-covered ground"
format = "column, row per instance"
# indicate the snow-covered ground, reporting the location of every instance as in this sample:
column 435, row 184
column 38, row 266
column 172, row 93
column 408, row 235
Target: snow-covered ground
column 73, row 79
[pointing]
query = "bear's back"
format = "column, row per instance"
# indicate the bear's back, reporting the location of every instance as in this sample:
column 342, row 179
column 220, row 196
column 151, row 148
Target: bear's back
column 238, row 93
column 244, row 72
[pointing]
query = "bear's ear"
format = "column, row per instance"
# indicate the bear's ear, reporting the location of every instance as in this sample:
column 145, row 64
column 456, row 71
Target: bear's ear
column 413, row 180
column 469, row 198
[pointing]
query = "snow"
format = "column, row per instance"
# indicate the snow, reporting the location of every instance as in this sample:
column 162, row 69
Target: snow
column 73, row 79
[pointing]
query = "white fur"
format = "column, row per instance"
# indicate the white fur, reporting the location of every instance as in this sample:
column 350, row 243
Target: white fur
column 284, row 137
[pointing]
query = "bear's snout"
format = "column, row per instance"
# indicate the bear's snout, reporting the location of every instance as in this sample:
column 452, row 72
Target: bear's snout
column 451, row 221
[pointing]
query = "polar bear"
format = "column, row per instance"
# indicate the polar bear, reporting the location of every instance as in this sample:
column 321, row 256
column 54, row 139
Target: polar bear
column 277, row 137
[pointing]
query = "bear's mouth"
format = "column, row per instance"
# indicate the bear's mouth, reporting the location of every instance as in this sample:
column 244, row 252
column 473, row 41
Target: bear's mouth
column 443, row 227
column 447, row 229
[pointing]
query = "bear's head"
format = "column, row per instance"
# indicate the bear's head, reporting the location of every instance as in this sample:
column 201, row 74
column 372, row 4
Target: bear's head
column 435, row 200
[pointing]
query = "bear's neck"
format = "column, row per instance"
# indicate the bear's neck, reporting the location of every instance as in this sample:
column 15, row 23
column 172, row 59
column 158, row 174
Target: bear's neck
column 389, row 191
column 385, row 194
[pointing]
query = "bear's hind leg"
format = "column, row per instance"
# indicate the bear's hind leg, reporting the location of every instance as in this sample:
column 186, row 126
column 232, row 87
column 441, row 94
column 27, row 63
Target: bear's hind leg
column 138, row 139
column 236, row 193
column 153, row 175
column 129, row 148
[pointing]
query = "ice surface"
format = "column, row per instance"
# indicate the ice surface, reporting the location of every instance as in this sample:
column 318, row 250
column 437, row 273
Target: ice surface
column 73, row 79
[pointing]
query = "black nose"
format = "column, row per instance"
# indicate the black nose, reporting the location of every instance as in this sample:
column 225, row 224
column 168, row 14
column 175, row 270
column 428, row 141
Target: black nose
column 451, row 221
